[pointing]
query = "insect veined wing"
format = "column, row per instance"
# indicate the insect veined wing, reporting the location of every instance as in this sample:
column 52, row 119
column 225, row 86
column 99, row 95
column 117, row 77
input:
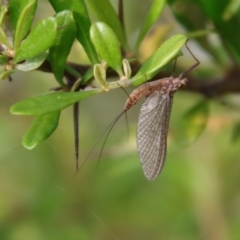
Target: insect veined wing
column 152, row 132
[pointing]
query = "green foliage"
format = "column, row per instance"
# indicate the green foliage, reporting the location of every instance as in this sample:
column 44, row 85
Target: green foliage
column 32, row 63
column 82, row 21
column 193, row 123
column 197, row 19
column 105, row 12
column 226, row 29
column 106, row 44
column 57, row 34
column 59, row 52
column 46, row 47
column 100, row 75
column 236, row 132
column 3, row 59
column 40, row 39
column 152, row 16
column 42, row 127
column 4, row 38
column 159, row 59
column 6, row 73
column 200, row 179
column 231, row 9
column 22, row 14
column 3, row 12
column 49, row 102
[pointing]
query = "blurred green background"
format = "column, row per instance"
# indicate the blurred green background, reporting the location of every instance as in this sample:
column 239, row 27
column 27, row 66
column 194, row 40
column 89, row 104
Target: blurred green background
column 197, row 195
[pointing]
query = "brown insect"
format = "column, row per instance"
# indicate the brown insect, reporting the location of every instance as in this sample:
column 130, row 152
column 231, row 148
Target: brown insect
column 153, row 120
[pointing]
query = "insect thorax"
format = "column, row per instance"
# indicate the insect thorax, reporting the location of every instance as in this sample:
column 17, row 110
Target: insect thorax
column 172, row 84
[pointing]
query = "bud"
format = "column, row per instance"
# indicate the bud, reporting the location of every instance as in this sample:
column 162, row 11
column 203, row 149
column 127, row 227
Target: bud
column 99, row 73
column 126, row 68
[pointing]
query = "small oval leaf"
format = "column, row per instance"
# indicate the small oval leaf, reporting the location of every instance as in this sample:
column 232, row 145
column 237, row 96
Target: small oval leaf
column 105, row 12
column 6, row 74
column 106, row 44
column 231, row 10
column 50, row 102
column 4, row 39
column 159, row 59
column 31, row 63
column 24, row 22
column 82, row 21
column 39, row 40
column 3, row 12
column 3, row 59
column 193, row 123
column 100, row 75
column 41, row 128
column 65, row 37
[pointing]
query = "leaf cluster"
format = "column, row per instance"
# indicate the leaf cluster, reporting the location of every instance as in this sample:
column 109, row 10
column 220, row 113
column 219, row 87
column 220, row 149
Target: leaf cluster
column 25, row 48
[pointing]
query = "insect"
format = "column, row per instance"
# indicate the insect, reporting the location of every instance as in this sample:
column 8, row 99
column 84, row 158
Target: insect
column 153, row 121
column 152, row 128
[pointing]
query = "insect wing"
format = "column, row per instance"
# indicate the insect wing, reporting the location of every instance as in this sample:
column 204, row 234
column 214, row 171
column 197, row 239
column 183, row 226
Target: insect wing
column 152, row 132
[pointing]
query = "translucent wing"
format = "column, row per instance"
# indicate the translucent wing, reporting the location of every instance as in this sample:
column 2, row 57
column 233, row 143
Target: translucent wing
column 152, row 133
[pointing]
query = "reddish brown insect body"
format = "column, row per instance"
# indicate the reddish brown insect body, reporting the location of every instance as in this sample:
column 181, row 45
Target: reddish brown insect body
column 165, row 85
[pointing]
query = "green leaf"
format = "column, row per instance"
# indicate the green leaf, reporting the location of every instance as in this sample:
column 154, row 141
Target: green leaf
column 3, row 59
column 4, row 39
column 6, row 74
column 65, row 37
column 193, row 123
column 21, row 15
column 24, row 22
column 151, row 18
column 186, row 17
column 39, row 40
column 83, row 23
column 32, row 63
column 41, row 128
column 105, row 12
column 72, row 71
column 215, row 10
column 159, row 59
column 15, row 9
column 49, row 102
column 106, row 44
column 236, row 132
column 100, row 75
column 190, row 20
column 231, row 10
column 87, row 76
column 3, row 12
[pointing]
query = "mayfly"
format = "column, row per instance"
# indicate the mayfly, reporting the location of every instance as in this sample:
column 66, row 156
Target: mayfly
column 153, row 122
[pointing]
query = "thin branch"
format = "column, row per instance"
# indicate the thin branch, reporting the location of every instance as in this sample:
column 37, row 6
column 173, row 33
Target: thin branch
column 121, row 18
column 121, row 13
column 212, row 87
column 76, row 132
